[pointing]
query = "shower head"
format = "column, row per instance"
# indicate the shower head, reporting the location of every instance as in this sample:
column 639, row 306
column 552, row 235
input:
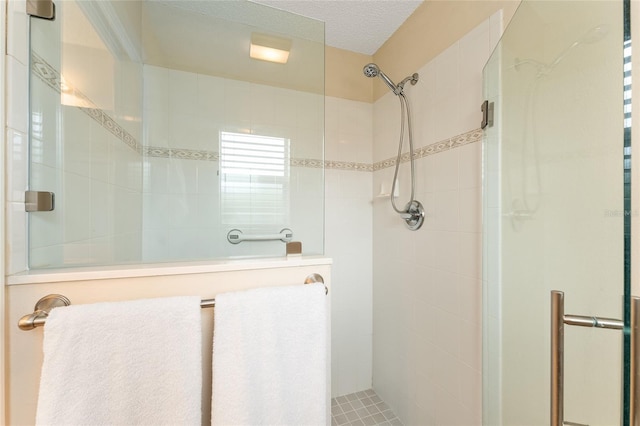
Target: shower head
column 594, row 35
column 372, row 70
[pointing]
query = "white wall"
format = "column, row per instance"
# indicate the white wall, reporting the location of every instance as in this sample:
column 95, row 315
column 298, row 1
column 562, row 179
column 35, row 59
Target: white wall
column 348, row 240
column 427, row 283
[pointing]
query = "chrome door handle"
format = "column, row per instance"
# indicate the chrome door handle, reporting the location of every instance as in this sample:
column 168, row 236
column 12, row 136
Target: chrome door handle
column 634, row 329
column 557, row 358
column 558, row 321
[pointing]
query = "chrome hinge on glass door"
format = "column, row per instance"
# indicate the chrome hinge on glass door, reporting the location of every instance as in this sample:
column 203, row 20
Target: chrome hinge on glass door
column 487, row 114
column 44, row 9
column 558, row 320
column 39, row 201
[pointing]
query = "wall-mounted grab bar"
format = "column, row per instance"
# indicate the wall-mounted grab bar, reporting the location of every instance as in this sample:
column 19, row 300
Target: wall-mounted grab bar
column 235, row 236
column 41, row 311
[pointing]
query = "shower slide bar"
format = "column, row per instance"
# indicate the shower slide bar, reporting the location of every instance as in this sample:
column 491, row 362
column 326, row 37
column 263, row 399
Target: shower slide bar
column 235, row 236
column 41, row 311
column 558, row 320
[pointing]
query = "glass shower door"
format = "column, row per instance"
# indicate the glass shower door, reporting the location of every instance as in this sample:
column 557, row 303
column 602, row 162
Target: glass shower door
column 86, row 109
column 557, row 210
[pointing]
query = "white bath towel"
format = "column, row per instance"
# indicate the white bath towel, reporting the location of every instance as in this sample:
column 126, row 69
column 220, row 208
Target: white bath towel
column 123, row 363
column 269, row 357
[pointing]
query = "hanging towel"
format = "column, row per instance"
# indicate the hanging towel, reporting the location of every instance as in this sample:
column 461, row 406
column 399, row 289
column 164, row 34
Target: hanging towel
column 123, row 363
column 270, row 357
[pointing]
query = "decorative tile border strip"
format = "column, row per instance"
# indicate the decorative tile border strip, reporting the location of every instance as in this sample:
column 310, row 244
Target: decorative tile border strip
column 306, row 162
column 343, row 165
column 179, row 153
column 434, row 148
column 52, row 78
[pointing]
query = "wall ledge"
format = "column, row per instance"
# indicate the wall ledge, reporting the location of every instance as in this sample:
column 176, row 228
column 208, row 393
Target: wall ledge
column 161, row 269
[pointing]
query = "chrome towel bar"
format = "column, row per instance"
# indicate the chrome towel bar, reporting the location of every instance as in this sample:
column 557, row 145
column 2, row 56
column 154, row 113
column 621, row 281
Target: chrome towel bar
column 41, row 311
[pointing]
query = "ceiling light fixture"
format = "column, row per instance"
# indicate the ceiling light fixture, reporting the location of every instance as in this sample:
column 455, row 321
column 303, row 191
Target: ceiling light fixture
column 269, row 48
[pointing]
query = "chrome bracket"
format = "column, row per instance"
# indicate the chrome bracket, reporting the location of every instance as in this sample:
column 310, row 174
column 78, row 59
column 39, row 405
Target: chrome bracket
column 39, row 201
column 41, row 311
column 43, row 9
column 487, row 114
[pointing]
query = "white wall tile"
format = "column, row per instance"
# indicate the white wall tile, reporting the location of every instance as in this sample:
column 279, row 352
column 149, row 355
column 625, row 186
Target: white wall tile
column 102, row 202
column 470, row 205
column 237, row 103
column 470, row 165
column 446, row 170
column 285, row 107
column 475, row 49
column 100, row 153
column 469, row 258
column 443, row 294
column 447, row 206
column 17, row 159
column 77, row 217
column 210, row 96
column 349, row 219
column 16, row 237
column 183, row 92
column 263, row 105
column 184, row 131
column 18, row 31
column 17, row 95
column 76, row 134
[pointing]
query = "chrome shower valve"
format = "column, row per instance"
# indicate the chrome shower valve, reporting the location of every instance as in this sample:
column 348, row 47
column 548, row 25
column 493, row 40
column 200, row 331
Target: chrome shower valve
column 413, row 215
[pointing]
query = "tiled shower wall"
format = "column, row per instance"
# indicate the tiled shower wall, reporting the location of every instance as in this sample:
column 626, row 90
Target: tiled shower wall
column 427, row 283
column 184, row 114
column 348, row 241
column 79, row 154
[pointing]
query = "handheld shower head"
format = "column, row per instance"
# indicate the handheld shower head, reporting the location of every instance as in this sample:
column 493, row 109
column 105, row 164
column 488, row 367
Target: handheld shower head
column 594, row 35
column 372, row 70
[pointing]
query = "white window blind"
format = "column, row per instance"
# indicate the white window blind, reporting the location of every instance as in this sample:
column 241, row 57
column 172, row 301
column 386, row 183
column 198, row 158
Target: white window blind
column 254, row 180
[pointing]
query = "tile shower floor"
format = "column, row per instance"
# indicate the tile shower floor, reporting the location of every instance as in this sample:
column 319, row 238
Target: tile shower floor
column 360, row 409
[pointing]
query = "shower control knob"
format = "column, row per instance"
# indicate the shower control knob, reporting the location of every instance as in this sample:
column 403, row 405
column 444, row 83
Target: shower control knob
column 414, row 215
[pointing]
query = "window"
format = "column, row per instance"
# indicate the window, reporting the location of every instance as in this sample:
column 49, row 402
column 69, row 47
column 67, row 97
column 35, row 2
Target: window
column 254, row 181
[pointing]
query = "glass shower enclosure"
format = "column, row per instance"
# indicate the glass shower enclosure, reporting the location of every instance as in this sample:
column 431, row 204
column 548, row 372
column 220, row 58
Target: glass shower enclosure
column 163, row 140
column 557, row 209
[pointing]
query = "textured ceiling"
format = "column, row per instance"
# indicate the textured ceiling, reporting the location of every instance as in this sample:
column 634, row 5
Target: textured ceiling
column 357, row 25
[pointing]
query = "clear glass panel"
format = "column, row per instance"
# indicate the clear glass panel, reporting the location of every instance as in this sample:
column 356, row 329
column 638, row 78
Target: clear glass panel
column 85, row 126
column 129, row 101
column 555, row 209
